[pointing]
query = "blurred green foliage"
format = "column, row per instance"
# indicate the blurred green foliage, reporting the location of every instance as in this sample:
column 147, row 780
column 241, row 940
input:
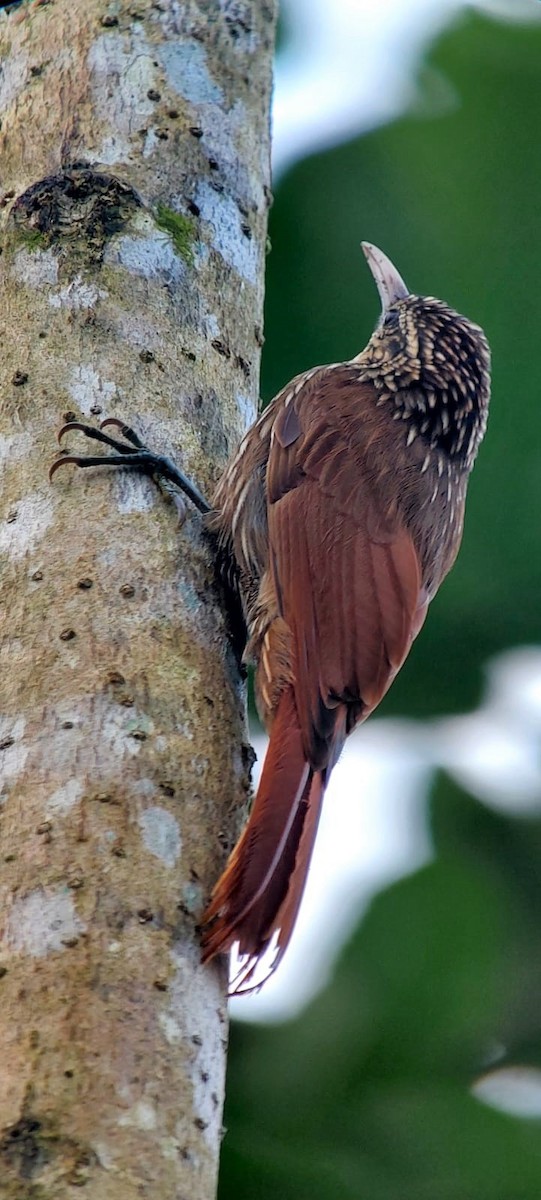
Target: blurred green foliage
column 366, row 1096
column 454, row 199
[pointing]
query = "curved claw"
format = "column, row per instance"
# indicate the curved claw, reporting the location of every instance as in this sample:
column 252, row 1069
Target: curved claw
column 67, row 458
column 113, row 421
column 126, row 431
column 66, row 428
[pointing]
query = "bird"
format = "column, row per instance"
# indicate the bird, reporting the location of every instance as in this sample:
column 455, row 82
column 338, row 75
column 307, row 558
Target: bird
column 343, row 510
column 340, row 515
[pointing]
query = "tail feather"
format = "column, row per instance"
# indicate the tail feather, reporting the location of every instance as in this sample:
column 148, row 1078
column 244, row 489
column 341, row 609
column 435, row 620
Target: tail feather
column 260, row 891
column 289, row 908
column 313, row 799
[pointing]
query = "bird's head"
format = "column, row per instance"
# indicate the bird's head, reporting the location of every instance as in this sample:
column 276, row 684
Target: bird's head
column 432, row 363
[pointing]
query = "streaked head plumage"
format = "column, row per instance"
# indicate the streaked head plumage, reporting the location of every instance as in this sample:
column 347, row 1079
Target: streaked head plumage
column 422, row 347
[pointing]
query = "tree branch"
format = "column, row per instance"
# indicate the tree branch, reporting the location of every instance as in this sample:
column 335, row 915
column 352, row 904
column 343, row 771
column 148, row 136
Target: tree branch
column 134, row 149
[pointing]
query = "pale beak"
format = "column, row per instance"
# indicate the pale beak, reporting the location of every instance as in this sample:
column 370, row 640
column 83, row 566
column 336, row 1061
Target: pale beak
column 390, row 285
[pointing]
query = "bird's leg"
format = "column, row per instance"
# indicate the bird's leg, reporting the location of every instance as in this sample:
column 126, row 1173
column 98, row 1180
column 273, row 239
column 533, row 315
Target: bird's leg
column 132, row 452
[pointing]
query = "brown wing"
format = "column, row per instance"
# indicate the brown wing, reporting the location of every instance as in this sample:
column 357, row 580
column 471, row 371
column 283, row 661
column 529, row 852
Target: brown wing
column 344, row 565
column 339, row 600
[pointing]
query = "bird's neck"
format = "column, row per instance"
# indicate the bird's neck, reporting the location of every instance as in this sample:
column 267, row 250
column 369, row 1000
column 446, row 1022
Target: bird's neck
column 447, row 420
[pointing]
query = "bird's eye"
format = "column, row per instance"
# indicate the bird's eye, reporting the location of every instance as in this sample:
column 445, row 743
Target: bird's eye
column 392, row 320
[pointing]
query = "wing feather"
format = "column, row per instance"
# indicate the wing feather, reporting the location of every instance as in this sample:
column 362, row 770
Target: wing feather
column 340, row 598
column 344, row 565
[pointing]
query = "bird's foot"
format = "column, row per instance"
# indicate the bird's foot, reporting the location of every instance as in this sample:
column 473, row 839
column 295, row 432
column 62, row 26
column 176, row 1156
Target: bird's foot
column 131, row 452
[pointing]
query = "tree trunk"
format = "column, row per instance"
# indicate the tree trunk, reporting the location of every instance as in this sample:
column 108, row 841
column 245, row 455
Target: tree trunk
column 134, row 150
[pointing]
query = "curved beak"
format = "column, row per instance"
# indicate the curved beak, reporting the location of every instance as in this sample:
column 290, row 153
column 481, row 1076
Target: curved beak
column 390, row 285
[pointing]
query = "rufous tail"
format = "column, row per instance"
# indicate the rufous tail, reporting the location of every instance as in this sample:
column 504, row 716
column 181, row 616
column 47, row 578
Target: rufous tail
column 260, row 891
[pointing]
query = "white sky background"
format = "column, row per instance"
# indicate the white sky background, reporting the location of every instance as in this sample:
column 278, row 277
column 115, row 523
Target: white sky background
column 351, row 65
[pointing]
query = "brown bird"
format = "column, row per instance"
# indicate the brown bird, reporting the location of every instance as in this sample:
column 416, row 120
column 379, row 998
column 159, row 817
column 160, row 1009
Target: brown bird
column 342, row 512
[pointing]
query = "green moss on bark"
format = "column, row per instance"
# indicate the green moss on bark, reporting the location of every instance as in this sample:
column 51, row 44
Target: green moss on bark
column 180, row 228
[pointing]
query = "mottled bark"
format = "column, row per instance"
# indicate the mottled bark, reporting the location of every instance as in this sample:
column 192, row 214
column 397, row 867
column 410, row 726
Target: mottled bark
column 134, row 148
